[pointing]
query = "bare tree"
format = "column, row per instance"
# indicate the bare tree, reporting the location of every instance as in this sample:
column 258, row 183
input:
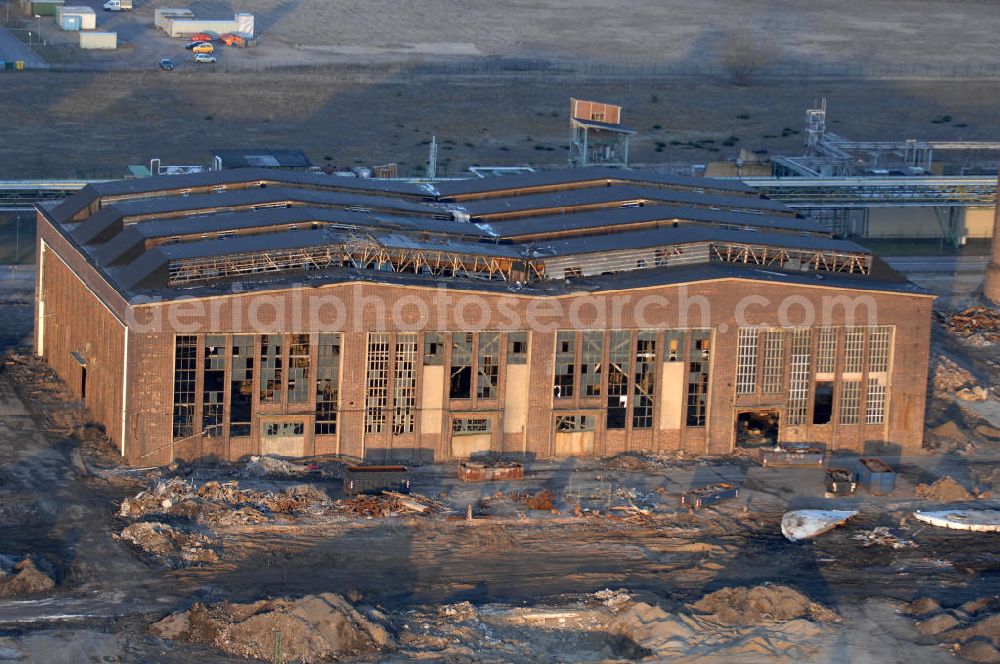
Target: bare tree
column 745, row 53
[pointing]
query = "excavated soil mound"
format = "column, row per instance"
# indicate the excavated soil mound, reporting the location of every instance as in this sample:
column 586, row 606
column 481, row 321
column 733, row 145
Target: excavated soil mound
column 972, row 632
column 751, row 606
column 25, row 579
column 314, row 628
column 945, row 490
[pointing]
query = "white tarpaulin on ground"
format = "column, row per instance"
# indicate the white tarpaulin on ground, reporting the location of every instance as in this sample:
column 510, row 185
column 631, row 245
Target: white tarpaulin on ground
column 806, row 524
column 983, row 521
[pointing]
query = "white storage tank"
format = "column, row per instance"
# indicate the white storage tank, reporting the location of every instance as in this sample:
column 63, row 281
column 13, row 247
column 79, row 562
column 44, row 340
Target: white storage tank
column 99, row 40
column 76, row 18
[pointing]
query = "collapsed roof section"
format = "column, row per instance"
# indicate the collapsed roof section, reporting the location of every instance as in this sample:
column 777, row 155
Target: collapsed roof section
column 172, row 235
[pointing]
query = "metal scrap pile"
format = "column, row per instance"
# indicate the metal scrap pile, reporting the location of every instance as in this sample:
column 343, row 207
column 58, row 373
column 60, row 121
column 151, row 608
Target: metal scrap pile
column 979, row 325
column 388, row 504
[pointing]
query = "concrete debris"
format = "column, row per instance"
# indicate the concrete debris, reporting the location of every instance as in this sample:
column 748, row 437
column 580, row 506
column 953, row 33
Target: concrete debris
column 980, row 521
column 166, row 544
column 177, row 497
column 948, row 378
column 972, row 631
column 943, row 490
column 24, row 578
column 613, row 599
column 765, row 603
column 975, row 393
column 978, row 324
column 268, row 466
column 806, row 524
column 388, row 504
column 314, row 628
column 881, row 536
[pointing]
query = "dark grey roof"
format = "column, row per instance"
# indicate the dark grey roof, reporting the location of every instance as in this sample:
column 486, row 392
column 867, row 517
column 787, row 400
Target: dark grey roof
column 614, row 193
column 584, row 175
column 556, row 223
column 262, row 158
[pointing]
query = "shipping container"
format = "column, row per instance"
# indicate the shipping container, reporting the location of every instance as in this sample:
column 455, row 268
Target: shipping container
column 86, row 18
column 46, row 7
column 877, row 478
column 376, row 479
column 480, row 471
column 99, row 40
column 840, row 482
column 183, row 27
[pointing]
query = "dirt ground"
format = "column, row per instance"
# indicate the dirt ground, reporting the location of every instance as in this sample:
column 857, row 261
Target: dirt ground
column 106, row 121
column 609, row 569
column 880, row 32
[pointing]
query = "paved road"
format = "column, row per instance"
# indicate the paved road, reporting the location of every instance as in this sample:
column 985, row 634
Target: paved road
column 12, row 48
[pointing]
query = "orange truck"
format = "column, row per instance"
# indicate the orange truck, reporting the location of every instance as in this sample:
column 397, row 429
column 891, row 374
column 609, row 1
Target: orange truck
column 232, row 40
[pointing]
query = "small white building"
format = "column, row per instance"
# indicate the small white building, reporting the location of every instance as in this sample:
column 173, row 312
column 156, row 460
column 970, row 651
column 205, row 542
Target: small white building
column 76, row 18
column 99, row 40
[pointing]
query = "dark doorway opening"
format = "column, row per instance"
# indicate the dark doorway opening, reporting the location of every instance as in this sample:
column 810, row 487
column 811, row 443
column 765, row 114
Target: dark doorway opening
column 823, row 402
column 83, row 382
column 757, row 428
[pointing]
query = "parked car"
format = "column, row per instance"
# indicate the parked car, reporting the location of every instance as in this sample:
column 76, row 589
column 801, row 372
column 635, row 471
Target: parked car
column 193, row 44
column 202, row 37
column 166, row 64
column 230, row 39
column 203, row 48
column 204, row 58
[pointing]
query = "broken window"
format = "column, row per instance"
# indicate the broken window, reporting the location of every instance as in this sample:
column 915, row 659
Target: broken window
column 699, row 358
column 433, row 349
column 591, row 361
column 854, row 342
column 298, row 368
column 798, row 384
column 645, row 380
column 377, row 382
column 185, row 375
column 875, row 404
column 565, row 364
column 746, row 361
column 619, row 369
column 773, row 371
column 878, row 349
column 327, row 383
column 461, row 366
column 488, row 365
column 823, row 402
column 213, row 385
column 517, row 348
column 850, row 401
column 573, row 273
column 471, row 425
column 270, row 368
column 674, row 340
column 576, row 422
column 283, row 429
column 826, row 350
column 404, row 389
column 241, row 386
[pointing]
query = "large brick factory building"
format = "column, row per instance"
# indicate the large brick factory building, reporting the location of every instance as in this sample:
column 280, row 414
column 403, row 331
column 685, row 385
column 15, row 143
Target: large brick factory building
column 576, row 312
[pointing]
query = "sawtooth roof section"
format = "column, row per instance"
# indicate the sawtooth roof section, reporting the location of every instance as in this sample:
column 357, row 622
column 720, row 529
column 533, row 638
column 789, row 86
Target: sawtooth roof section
column 488, row 207
column 623, row 217
column 582, row 177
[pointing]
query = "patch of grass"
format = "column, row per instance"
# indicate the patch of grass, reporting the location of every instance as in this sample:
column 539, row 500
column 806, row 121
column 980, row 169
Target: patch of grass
column 743, row 116
column 654, row 99
column 944, row 119
column 960, row 125
column 731, row 141
column 657, row 127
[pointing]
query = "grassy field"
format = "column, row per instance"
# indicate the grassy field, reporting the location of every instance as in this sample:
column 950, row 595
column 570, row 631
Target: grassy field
column 92, row 125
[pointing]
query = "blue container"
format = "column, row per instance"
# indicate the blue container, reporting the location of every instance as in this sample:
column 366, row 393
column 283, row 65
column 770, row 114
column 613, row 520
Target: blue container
column 70, row 22
column 877, row 477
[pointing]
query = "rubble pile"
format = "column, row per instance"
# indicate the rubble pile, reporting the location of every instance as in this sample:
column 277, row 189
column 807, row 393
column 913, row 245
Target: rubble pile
column 971, row 631
column 944, row 490
column 978, row 324
column 217, row 502
column 765, row 603
column 950, row 379
column 314, row 628
column 166, row 544
column 24, row 578
column 882, row 536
